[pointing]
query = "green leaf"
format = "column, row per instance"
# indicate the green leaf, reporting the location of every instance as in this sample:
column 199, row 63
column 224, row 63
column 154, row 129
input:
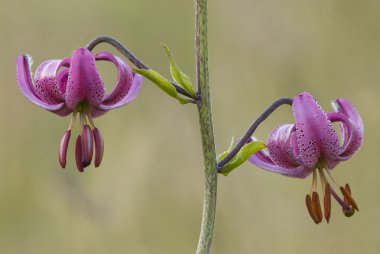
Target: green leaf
column 181, row 78
column 243, row 155
column 224, row 154
column 162, row 83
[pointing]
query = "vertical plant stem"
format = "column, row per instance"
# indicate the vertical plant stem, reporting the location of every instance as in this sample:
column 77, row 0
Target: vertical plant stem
column 205, row 120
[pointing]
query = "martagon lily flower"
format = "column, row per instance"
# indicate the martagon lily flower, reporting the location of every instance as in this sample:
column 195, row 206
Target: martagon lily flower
column 311, row 145
column 74, row 86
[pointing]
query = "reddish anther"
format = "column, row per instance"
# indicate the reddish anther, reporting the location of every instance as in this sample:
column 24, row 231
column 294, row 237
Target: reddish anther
column 87, row 145
column 348, row 198
column 99, row 146
column 78, row 154
column 62, row 150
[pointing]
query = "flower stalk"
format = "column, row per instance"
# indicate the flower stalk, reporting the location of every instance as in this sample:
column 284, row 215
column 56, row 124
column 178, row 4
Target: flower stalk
column 206, row 125
column 132, row 58
column 247, row 136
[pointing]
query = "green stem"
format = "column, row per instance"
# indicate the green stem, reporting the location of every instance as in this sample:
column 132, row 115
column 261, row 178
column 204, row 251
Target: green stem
column 205, row 120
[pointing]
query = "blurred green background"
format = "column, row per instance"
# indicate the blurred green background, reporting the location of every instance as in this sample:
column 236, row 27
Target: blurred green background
column 147, row 195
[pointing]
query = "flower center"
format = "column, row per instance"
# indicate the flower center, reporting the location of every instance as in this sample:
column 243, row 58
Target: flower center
column 348, row 204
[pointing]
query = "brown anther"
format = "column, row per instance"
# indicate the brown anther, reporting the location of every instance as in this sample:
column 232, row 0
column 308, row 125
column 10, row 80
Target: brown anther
column 348, row 198
column 310, row 209
column 327, row 202
column 347, row 187
column 317, row 206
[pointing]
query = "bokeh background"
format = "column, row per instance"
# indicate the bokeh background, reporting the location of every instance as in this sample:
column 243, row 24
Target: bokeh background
column 147, row 195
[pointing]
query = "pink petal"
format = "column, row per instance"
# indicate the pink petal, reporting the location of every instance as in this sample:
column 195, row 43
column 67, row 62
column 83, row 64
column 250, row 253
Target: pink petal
column 352, row 131
column 316, row 136
column 45, row 82
column 280, row 147
column 132, row 94
column 26, row 86
column 124, row 78
column 262, row 160
column 84, row 83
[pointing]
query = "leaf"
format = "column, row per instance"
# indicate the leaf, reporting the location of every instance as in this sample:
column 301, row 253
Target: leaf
column 162, row 83
column 243, row 155
column 181, row 78
column 224, row 154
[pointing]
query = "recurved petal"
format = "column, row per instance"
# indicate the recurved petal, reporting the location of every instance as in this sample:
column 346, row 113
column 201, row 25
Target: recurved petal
column 84, row 82
column 132, row 94
column 280, row 146
column 46, row 82
column 352, row 132
column 316, row 137
column 124, row 78
column 346, row 108
column 26, row 86
column 262, row 160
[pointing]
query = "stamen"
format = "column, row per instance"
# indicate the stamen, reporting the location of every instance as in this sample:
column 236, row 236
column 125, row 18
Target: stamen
column 314, row 183
column 90, row 120
column 347, row 187
column 73, row 120
column 347, row 209
column 78, row 154
column 82, row 118
column 87, row 145
column 323, row 179
column 348, row 198
column 99, row 146
column 332, row 178
column 327, row 202
column 317, row 206
column 309, row 206
column 62, row 149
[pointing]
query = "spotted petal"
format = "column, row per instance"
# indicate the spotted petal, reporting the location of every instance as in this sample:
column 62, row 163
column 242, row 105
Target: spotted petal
column 263, row 160
column 27, row 88
column 132, row 94
column 124, row 78
column 84, row 82
column 352, row 130
column 282, row 151
column 46, row 82
column 316, row 137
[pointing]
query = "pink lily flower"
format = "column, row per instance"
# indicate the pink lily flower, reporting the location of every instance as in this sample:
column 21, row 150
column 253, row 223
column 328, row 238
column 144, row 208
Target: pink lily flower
column 73, row 85
column 312, row 145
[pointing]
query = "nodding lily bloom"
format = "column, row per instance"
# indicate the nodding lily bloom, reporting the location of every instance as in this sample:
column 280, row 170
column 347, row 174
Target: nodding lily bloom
column 74, row 86
column 311, row 145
